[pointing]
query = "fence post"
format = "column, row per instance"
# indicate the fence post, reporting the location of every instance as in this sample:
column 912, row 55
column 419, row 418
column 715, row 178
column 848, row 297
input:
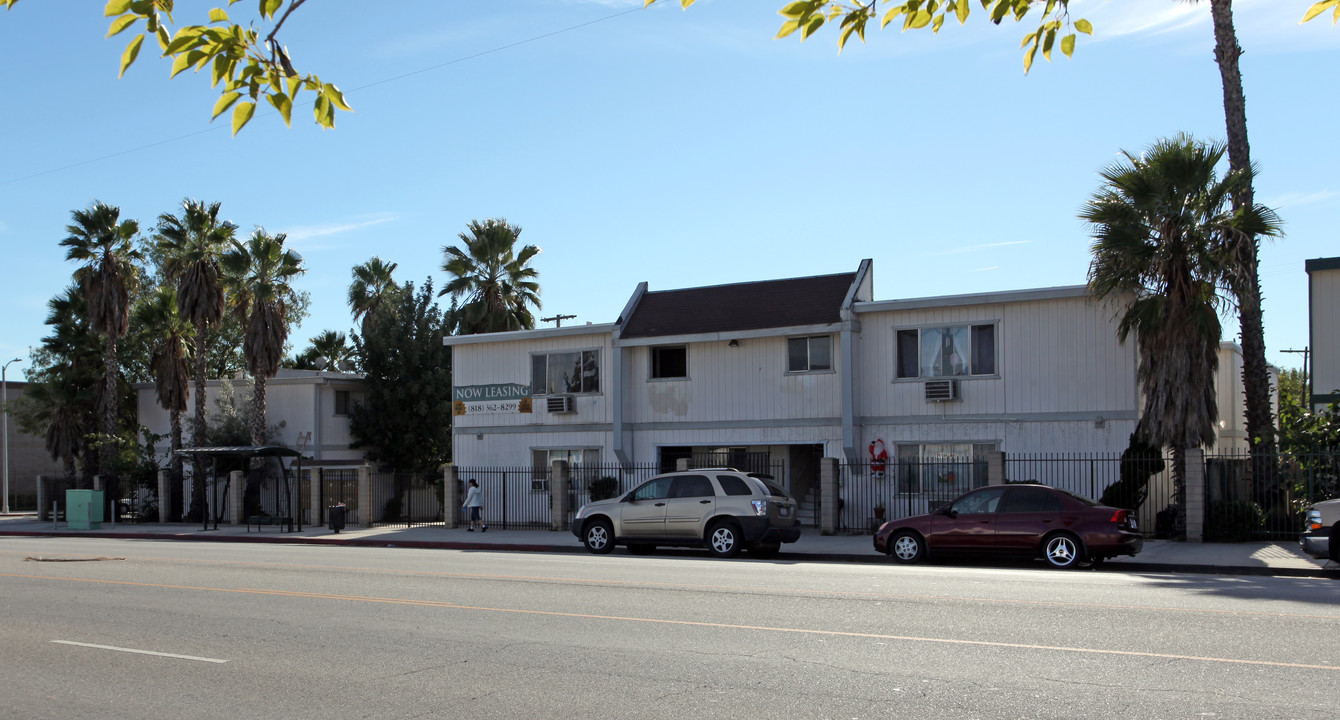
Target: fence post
column 1195, row 495
column 42, row 501
column 451, row 494
column 164, row 495
column 681, row 464
column 237, row 487
column 559, row 484
column 828, row 495
column 995, row 468
column 365, row 508
column 316, row 488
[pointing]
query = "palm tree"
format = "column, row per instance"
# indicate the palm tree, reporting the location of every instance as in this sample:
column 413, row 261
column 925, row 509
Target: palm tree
column 192, row 245
column 332, row 346
column 171, row 335
column 259, row 272
column 65, row 390
column 493, row 279
column 1163, row 238
column 372, row 284
column 103, row 243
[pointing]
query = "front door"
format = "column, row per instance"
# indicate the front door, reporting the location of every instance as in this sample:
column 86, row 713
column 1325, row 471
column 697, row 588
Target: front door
column 969, row 525
column 642, row 513
column 692, row 499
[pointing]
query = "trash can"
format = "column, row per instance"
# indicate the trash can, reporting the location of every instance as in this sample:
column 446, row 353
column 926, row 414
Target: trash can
column 335, row 517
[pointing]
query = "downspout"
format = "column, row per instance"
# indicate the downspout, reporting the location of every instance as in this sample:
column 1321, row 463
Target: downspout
column 621, row 450
column 847, row 342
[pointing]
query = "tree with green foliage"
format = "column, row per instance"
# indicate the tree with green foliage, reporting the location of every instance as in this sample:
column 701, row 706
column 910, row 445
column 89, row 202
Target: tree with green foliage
column 404, row 420
column 492, row 278
column 159, row 318
column 1163, row 237
column 104, row 245
column 260, row 274
column 372, row 285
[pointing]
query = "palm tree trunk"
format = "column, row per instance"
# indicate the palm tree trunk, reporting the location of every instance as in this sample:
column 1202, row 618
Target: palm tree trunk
column 169, row 508
column 111, row 408
column 258, row 410
column 1179, row 490
column 1247, row 287
column 197, row 510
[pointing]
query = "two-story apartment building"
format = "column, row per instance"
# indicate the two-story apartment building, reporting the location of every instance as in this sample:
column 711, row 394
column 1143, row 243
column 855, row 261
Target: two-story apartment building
column 798, row 369
column 1323, row 283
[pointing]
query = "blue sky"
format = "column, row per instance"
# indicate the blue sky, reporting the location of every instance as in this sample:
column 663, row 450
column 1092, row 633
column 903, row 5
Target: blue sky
column 680, row 148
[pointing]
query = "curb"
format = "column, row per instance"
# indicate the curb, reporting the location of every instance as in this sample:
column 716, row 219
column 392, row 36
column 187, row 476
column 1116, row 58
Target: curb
column 848, row 558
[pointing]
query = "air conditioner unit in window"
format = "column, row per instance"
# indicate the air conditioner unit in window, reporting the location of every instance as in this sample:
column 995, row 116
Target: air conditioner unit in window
column 560, row 404
column 941, row 390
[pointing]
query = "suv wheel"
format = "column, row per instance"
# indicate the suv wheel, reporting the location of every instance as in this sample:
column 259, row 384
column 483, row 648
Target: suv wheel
column 723, row 539
column 599, row 537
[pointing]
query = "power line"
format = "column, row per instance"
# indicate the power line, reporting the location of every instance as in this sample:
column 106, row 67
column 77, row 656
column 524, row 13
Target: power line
column 271, row 113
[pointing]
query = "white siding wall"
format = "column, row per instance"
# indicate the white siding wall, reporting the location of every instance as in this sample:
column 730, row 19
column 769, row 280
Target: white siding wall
column 510, row 362
column 745, row 383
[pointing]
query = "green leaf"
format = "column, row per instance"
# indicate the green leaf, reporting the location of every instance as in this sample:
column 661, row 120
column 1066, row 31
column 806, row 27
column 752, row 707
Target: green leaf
column 242, row 115
column 115, row 7
column 225, row 101
column 796, row 10
column 815, row 22
column 218, row 15
column 937, row 22
column 920, row 20
column 961, row 11
column 787, row 28
column 890, row 15
column 323, row 112
column 162, row 35
column 1084, row 26
column 283, row 104
column 1028, row 58
column 121, row 24
column 1068, row 44
column 179, row 64
column 336, row 97
column 270, row 7
column 1047, row 44
column 132, row 51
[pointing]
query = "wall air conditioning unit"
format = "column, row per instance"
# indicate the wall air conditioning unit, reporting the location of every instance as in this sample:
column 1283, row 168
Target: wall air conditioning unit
column 941, row 390
column 559, row 404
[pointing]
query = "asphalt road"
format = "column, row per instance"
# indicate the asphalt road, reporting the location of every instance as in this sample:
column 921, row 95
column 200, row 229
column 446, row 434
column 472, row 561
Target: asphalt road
column 144, row 629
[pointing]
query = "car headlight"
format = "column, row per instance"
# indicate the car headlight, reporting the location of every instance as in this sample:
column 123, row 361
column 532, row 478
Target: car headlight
column 581, row 512
column 1313, row 520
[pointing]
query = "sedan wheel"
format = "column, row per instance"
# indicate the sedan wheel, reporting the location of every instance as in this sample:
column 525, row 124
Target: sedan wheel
column 907, row 548
column 1062, row 551
column 599, row 537
column 723, row 540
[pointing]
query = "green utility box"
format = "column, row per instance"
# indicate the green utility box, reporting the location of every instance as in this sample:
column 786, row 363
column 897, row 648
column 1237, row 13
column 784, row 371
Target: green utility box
column 83, row 509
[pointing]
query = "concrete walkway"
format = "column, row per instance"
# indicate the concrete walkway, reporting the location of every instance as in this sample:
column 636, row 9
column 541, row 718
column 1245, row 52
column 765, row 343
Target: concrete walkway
column 1279, row 559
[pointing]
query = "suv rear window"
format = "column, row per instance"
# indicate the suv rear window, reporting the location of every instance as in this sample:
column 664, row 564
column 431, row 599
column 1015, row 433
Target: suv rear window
column 774, row 490
column 734, row 485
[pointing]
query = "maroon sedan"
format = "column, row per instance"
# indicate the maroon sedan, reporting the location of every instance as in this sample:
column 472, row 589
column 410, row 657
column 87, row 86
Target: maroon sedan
column 1020, row 520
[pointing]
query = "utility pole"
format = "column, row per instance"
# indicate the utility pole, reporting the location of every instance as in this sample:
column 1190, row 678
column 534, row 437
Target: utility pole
column 557, row 320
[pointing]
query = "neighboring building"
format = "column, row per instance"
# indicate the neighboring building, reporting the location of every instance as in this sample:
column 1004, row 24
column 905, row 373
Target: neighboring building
column 298, row 401
column 28, row 457
column 798, row 369
column 1323, row 283
column 1232, row 399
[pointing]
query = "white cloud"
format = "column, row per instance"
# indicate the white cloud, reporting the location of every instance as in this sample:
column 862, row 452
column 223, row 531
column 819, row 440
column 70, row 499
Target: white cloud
column 305, row 233
column 975, row 248
column 1290, row 200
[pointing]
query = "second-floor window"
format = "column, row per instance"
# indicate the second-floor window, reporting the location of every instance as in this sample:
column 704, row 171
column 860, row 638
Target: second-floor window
column 342, row 402
column 956, row 351
column 565, row 372
column 669, row 362
column 805, row 354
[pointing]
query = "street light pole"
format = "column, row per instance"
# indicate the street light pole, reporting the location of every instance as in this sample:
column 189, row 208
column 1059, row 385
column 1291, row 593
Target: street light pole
column 4, row 431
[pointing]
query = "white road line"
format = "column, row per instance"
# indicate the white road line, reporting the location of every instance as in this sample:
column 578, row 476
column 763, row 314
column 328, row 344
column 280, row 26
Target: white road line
column 139, row 652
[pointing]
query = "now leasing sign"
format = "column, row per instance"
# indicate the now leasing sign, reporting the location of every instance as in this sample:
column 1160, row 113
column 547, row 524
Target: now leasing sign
column 490, row 399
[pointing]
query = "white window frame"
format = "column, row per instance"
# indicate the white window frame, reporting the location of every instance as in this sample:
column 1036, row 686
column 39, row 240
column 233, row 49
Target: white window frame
column 651, row 361
column 961, row 329
column 594, row 352
column 809, row 354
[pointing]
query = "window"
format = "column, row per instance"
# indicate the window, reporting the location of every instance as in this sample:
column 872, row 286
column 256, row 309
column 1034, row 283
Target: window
column 341, row 402
column 805, row 354
column 669, row 362
column 1021, row 500
column 946, row 351
column 942, row 467
column 657, row 489
column 985, row 501
column 692, row 486
column 565, row 373
column 583, row 465
column 733, row 485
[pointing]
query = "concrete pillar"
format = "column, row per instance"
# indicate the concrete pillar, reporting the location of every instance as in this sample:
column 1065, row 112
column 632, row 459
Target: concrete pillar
column 995, row 468
column 560, row 484
column 451, row 496
column 164, row 494
column 1195, row 495
column 44, row 488
column 237, row 487
column 829, row 507
column 365, row 509
column 681, row 464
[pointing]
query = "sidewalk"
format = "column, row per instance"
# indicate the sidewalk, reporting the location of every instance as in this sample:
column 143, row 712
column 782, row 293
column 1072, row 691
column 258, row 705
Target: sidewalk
column 1278, row 559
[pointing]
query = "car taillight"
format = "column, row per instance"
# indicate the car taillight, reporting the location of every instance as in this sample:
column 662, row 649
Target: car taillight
column 760, row 506
column 1123, row 518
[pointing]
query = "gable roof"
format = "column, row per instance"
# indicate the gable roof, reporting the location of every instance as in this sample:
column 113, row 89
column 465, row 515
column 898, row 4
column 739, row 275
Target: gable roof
column 740, row 306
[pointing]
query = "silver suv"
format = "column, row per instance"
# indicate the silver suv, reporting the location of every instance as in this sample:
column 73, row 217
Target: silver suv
column 723, row 509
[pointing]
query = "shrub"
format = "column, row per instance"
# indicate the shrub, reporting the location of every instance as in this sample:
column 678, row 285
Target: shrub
column 1233, row 521
column 603, row 488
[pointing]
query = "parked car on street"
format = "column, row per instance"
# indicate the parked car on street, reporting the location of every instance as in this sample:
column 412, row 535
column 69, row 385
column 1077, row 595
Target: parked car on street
column 1320, row 529
column 1015, row 520
column 722, row 509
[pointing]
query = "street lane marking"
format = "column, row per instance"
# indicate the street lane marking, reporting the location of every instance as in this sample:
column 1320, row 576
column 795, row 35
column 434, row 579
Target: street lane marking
column 138, row 652
column 690, row 623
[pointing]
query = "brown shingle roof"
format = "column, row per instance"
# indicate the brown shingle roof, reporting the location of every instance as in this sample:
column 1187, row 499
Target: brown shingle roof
column 740, row 306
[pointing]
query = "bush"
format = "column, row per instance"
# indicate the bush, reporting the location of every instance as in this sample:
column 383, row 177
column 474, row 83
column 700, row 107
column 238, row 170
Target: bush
column 603, row 488
column 1233, row 521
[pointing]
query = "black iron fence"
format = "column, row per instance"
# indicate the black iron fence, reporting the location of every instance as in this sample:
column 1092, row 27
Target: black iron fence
column 522, row 497
column 1250, row 496
column 1143, row 485
column 871, row 493
column 405, row 498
